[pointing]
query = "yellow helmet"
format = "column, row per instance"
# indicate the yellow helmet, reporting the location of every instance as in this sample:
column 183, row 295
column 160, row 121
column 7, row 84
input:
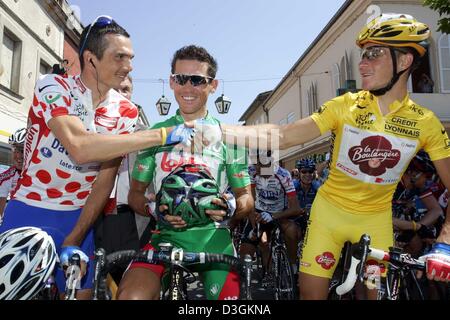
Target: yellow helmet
column 396, row 30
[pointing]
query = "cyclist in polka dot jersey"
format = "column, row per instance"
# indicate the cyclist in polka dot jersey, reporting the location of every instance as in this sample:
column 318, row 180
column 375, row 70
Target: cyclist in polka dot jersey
column 78, row 130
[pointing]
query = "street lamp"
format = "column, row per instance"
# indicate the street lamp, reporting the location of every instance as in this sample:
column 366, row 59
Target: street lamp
column 223, row 103
column 163, row 104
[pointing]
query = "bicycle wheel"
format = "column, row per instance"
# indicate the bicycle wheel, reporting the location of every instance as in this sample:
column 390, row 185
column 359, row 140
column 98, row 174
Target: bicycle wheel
column 284, row 279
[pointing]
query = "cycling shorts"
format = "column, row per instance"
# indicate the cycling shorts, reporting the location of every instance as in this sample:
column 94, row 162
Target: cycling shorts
column 220, row 283
column 58, row 224
column 330, row 227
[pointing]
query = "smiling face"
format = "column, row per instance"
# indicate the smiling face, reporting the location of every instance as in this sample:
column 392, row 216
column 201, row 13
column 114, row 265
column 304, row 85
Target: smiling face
column 306, row 175
column 113, row 68
column 376, row 69
column 192, row 100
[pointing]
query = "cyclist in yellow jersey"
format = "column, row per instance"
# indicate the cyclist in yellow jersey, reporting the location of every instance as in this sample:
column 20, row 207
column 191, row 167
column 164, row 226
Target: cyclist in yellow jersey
column 377, row 132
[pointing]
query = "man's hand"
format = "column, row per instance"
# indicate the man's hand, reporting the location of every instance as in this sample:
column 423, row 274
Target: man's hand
column 438, row 262
column 176, row 221
column 67, row 252
column 264, row 217
column 180, row 134
column 228, row 203
column 207, row 133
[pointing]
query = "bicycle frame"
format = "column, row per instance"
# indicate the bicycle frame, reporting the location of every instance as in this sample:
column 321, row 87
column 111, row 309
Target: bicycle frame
column 278, row 258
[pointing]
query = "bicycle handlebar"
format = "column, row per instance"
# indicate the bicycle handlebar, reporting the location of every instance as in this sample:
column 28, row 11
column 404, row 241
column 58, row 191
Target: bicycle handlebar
column 362, row 251
column 175, row 256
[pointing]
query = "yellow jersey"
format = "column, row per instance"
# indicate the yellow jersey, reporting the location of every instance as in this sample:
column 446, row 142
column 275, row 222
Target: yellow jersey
column 371, row 150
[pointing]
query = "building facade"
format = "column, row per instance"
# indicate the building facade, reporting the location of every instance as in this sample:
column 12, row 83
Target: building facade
column 34, row 35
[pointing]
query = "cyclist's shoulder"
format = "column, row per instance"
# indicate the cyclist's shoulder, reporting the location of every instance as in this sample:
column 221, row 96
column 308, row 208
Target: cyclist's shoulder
column 280, row 171
column 345, row 102
column 172, row 121
column 55, row 82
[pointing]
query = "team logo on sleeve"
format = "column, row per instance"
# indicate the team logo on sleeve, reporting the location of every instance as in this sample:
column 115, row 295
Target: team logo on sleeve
column 374, row 155
column 52, row 97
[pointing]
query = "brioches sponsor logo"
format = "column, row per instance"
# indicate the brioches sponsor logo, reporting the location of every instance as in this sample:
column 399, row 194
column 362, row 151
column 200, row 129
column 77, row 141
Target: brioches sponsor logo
column 374, row 155
column 326, row 260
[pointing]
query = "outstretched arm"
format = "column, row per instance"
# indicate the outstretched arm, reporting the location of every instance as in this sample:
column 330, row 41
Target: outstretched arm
column 85, row 147
column 272, row 136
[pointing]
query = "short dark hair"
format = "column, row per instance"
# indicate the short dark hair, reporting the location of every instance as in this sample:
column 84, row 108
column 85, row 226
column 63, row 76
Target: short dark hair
column 96, row 42
column 193, row 52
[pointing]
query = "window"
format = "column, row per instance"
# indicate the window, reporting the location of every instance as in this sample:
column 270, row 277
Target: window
column 44, row 68
column 336, row 77
column 10, row 59
column 291, row 117
column 444, row 62
column 312, row 98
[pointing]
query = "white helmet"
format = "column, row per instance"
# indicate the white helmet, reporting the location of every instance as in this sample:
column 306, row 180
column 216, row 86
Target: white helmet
column 27, row 259
column 18, row 137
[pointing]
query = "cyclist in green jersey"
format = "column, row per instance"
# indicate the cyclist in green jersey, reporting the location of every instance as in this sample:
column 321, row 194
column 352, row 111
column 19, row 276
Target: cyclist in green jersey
column 192, row 80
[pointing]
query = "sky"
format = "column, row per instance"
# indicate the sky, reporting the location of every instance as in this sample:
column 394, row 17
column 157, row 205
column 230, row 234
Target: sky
column 255, row 42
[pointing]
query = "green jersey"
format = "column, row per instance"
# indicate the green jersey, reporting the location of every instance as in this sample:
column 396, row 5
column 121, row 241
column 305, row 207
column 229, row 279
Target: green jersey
column 227, row 164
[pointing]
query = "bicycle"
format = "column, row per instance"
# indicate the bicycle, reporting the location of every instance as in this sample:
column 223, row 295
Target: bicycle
column 178, row 261
column 400, row 267
column 280, row 266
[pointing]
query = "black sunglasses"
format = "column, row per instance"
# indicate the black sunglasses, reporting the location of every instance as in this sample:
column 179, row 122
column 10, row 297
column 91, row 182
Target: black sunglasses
column 100, row 21
column 305, row 171
column 195, row 80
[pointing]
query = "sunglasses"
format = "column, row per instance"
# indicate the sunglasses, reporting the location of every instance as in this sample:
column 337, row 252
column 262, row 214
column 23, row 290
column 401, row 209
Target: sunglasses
column 373, row 53
column 305, row 171
column 100, row 21
column 195, row 80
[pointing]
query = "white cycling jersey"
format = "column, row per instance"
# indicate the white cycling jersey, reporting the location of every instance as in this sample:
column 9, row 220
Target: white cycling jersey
column 8, row 181
column 51, row 179
column 272, row 191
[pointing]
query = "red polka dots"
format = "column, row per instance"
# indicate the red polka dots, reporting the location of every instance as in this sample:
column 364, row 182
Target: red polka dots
column 128, row 110
column 26, row 180
column 62, row 174
column 83, row 195
column 90, row 178
column 101, row 110
column 73, row 187
column 34, row 196
column 54, row 193
column 66, row 203
column 44, row 176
